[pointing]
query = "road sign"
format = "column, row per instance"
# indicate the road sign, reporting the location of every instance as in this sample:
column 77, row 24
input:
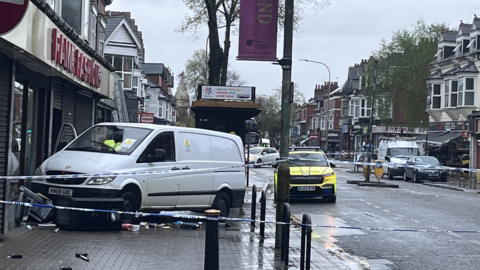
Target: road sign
column 146, row 118
column 11, row 13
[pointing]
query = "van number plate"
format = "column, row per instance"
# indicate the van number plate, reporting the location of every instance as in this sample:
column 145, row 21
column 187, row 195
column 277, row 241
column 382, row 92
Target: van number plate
column 60, row 191
column 306, row 188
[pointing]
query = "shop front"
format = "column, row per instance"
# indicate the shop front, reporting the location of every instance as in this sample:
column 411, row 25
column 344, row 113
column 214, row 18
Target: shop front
column 50, row 83
column 449, row 142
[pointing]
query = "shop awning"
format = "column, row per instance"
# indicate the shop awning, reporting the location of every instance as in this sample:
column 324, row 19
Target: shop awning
column 439, row 138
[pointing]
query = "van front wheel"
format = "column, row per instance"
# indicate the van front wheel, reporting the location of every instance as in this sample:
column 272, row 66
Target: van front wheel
column 222, row 203
column 129, row 205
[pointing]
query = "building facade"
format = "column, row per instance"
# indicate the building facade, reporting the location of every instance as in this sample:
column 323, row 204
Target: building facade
column 52, row 78
column 453, row 100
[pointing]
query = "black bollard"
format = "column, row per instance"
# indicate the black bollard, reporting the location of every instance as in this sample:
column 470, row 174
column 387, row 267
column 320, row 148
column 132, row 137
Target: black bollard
column 306, row 250
column 263, row 204
column 285, row 233
column 211, row 240
column 253, row 208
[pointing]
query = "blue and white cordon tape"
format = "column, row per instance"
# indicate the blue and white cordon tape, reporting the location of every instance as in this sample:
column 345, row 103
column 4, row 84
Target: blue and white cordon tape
column 195, row 217
column 190, row 171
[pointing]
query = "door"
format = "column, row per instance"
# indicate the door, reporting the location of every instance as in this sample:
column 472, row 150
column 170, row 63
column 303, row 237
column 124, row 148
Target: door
column 162, row 188
column 195, row 153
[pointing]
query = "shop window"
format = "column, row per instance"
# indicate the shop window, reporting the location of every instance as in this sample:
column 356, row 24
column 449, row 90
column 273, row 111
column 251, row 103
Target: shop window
column 330, row 121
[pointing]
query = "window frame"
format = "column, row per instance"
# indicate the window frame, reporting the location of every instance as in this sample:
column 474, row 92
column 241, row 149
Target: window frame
column 435, row 96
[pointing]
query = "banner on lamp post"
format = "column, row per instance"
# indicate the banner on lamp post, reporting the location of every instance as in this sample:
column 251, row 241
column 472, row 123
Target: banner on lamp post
column 258, row 30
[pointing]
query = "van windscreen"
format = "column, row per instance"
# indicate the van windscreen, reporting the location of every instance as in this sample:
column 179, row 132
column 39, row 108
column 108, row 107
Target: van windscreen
column 120, row 140
column 402, row 152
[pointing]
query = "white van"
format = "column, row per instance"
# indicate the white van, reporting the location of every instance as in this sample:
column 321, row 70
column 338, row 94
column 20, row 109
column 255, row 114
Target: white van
column 265, row 142
column 134, row 148
column 394, row 152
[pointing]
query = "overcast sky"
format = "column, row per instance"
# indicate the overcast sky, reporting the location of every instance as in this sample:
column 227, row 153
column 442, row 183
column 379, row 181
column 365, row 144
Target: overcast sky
column 339, row 35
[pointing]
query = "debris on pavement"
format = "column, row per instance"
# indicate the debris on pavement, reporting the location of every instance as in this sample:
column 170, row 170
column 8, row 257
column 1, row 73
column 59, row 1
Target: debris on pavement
column 127, row 227
column 187, row 225
column 83, row 256
column 15, row 256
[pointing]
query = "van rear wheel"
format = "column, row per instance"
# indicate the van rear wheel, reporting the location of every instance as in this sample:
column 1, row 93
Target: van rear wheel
column 222, row 203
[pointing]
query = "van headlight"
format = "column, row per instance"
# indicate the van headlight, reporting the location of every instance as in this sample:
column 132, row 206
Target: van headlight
column 38, row 171
column 100, row 180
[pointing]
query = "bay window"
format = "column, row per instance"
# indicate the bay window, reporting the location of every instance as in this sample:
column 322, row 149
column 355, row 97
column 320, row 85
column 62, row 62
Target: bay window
column 160, row 109
column 436, row 97
column 469, row 91
column 460, row 93
column 344, row 107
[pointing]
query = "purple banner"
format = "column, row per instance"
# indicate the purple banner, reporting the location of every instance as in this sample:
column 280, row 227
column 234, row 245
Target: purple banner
column 258, row 30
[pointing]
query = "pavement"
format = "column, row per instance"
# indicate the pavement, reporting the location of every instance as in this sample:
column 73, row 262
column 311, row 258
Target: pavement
column 169, row 247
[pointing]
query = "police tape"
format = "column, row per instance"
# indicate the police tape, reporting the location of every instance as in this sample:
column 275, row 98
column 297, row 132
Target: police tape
column 196, row 217
column 252, row 165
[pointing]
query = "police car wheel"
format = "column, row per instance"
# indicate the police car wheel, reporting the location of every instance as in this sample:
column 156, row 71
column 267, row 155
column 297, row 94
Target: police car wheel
column 390, row 175
column 258, row 161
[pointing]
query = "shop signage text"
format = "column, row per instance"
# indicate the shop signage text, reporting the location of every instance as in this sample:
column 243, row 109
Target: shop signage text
column 398, row 130
column 71, row 58
column 227, row 92
column 460, row 125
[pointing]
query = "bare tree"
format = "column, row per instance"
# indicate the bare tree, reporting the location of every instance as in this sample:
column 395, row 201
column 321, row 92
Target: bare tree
column 196, row 73
column 223, row 14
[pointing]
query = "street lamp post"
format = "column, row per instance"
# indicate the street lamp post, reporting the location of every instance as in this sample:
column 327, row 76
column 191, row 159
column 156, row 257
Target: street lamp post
column 372, row 120
column 327, row 104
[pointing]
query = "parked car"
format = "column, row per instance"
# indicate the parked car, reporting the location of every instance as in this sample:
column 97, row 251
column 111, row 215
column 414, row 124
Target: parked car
column 311, row 175
column 424, row 168
column 262, row 154
column 119, row 151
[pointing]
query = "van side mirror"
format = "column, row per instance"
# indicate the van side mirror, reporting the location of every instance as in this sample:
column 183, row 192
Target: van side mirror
column 387, row 158
column 332, row 165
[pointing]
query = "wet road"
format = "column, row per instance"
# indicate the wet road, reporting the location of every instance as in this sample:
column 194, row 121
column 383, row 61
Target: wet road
column 411, row 206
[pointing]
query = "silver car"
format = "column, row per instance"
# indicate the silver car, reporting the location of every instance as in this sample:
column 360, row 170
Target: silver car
column 262, row 154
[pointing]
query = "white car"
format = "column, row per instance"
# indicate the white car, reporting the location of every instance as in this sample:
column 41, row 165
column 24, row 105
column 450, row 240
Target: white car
column 262, row 154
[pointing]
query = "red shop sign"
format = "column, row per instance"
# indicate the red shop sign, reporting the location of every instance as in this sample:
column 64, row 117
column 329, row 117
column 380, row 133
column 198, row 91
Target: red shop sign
column 68, row 56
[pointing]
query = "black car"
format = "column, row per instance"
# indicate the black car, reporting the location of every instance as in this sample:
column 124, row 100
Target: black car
column 424, row 168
